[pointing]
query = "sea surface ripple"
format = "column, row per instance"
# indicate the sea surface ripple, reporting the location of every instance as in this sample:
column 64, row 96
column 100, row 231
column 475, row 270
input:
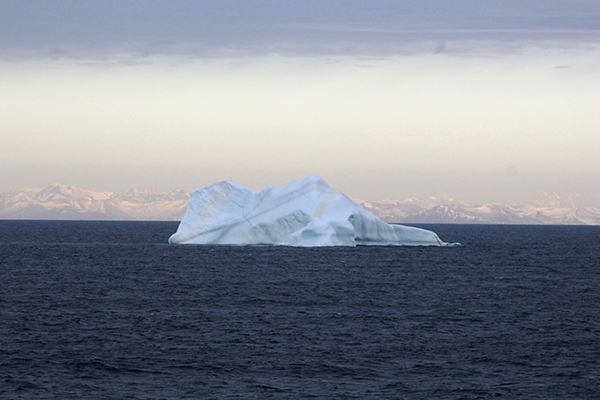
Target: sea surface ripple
column 110, row 310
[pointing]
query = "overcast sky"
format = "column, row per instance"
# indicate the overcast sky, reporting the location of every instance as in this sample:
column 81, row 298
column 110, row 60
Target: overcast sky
column 487, row 101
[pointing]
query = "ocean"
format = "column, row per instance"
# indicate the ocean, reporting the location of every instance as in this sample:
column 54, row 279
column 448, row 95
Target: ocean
column 109, row 310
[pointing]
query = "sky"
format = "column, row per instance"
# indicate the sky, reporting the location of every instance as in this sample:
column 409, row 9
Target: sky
column 487, row 101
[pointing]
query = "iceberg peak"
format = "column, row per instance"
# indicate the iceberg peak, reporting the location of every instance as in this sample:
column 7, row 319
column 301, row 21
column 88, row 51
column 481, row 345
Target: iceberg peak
column 303, row 213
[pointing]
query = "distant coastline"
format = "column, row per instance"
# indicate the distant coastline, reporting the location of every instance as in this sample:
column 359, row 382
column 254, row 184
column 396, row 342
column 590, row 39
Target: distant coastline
column 63, row 202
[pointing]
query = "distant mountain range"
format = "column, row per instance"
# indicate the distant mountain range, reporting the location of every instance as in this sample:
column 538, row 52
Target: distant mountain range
column 71, row 203
column 543, row 208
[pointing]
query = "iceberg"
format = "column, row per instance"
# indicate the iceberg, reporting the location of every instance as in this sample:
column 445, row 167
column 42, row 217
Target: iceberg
column 303, row 213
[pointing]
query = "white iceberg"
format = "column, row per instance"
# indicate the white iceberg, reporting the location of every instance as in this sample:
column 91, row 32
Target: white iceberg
column 303, row 213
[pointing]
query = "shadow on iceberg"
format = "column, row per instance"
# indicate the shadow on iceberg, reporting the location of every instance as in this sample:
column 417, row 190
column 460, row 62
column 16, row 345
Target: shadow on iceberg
column 304, row 213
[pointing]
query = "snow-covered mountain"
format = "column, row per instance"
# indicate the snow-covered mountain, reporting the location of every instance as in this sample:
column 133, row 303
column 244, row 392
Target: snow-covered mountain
column 543, row 208
column 72, row 203
column 69, row 202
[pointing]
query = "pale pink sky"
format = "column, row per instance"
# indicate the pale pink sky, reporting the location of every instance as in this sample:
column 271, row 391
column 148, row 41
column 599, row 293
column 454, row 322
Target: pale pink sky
column 488, row 102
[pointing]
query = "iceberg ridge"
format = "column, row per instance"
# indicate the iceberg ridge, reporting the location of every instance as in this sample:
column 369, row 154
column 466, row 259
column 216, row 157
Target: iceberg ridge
column 303, row 213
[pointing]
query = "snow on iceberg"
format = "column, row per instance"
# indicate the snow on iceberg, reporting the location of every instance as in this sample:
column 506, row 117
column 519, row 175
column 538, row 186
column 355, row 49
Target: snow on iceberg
column 303, row 213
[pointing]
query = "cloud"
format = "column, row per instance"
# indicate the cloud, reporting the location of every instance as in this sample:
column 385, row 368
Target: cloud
column 57, row 29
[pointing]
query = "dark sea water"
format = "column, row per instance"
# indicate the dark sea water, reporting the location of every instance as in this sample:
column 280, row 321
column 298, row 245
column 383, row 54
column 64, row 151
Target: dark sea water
column 109, row 310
